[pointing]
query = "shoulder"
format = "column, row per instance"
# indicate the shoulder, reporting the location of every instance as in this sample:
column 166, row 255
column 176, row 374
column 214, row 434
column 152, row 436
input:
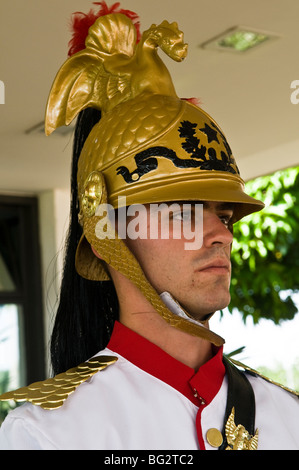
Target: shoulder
column 96, row 409
column 276, row 411
column 274, row 403
column 52, row 393
column 34, row 425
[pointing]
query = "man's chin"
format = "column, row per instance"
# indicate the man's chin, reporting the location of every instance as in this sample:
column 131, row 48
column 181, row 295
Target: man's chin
column 204, row 313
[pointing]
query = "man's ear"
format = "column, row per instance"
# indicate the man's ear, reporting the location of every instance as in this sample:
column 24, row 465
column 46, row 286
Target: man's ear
column 95, row 252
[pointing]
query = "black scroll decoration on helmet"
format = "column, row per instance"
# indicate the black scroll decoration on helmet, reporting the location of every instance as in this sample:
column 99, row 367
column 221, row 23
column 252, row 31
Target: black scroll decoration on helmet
column 200, row 156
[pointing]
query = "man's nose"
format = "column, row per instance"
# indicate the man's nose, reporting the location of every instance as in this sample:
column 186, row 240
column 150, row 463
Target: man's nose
column 215, row 231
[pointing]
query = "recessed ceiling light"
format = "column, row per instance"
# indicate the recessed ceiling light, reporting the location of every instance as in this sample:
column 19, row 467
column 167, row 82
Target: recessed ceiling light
column 238, row 39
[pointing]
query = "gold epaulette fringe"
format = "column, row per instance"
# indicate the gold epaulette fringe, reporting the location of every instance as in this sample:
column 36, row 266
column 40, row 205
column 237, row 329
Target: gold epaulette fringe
column 51, row 393
column 243, row 366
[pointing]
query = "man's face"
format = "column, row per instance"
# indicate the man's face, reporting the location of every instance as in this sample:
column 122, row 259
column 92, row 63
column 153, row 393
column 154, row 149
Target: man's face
column 198, row 279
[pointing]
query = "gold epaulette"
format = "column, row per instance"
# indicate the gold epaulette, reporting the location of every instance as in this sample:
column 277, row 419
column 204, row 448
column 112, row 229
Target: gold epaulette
column 243, row 366
column 52, row 393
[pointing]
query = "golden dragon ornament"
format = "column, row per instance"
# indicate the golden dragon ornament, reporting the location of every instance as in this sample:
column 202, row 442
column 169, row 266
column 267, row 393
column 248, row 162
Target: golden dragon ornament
column 113, row 68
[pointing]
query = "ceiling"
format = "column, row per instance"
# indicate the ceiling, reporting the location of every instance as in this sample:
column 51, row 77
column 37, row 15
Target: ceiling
column 248, row 94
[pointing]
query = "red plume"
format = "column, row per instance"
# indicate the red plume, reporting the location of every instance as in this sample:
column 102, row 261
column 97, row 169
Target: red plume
column 81, row 23
column 194, row 101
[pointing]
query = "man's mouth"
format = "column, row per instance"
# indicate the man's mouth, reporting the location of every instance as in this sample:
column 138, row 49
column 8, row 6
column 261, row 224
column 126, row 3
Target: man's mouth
column 217, row 266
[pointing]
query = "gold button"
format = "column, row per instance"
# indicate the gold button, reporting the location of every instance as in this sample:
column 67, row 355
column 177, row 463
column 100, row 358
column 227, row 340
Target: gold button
column 214, row 437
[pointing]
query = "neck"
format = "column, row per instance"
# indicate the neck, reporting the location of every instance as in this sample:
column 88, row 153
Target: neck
column 138, row 314
column 190, row 350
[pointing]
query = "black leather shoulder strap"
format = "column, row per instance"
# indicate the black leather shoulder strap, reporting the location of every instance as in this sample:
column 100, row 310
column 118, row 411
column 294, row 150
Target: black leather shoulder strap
column 240, row 396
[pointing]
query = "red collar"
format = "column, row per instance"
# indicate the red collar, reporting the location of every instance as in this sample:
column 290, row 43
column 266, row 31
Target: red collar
column 153, row 360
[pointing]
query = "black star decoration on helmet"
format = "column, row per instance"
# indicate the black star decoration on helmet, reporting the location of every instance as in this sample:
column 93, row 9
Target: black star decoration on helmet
column 210, row 133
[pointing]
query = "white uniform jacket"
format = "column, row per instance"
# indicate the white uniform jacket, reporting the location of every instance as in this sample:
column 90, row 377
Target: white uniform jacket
column 149, row 400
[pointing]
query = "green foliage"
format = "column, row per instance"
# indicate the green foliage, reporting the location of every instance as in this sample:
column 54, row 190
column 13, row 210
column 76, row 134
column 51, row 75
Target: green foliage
column 265, row 255
column 278, row 373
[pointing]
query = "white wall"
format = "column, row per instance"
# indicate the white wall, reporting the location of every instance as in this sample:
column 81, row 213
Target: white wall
column 53, row 223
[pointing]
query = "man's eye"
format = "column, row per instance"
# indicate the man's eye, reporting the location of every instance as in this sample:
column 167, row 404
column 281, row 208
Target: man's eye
column 182, row 215
column 225, row 219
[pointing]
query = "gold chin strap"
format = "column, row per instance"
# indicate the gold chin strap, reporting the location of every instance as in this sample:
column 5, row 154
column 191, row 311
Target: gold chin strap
column 115, row 253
